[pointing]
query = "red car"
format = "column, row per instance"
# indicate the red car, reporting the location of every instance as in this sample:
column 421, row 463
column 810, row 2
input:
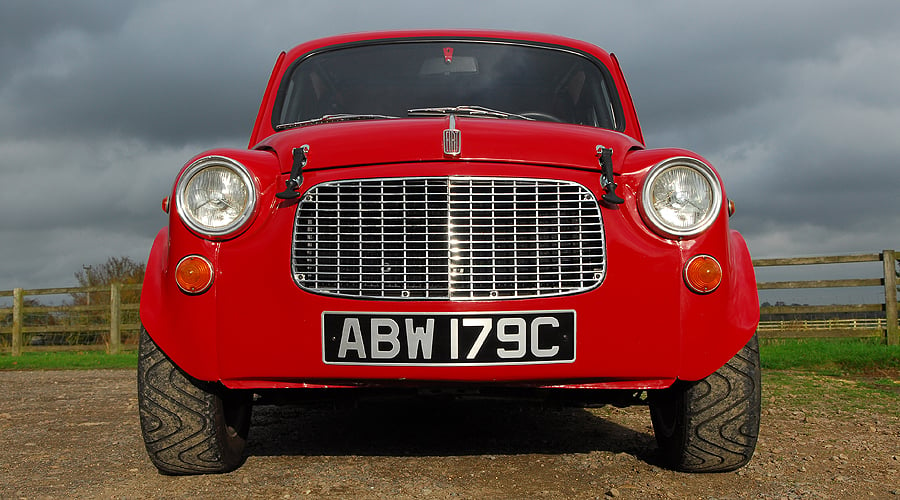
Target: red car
column 450, row 212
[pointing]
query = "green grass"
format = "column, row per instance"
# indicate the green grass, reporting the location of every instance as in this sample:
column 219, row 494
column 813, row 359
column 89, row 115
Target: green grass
column 820, row 356
column 817, row 393
column 67, row 360
column 830, row 356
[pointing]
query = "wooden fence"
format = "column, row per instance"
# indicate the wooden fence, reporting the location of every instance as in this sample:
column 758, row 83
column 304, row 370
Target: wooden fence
column 885, row 327
column 101, row 320
column 111, row 323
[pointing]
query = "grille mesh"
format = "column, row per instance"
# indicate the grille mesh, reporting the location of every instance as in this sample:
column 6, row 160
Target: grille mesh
column 448, row 238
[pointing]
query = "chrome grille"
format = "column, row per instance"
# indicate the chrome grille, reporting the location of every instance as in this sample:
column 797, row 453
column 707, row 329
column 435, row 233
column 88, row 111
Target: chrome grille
column 448, row 238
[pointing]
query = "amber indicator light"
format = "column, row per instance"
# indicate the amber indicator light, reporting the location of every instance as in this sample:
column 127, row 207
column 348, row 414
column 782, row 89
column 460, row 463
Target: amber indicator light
column 165, row 204
column 194, row 274
column 703, row 274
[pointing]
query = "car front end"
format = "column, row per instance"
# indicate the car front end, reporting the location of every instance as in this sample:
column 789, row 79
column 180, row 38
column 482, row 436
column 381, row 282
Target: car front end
column 433, row 210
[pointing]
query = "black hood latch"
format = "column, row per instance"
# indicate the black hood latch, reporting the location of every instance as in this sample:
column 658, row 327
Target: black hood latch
column 607, row 177
column 292, row 185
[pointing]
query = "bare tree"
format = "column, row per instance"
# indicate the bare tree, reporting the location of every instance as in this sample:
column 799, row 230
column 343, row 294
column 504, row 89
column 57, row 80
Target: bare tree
column 121, row 270
column 115, row 270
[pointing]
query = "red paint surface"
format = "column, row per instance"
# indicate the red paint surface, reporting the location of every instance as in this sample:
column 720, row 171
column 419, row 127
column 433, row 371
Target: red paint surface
column 641, row 328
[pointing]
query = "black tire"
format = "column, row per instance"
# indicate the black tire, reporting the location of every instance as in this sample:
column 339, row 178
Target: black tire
column 711, row 425
column 189, row 426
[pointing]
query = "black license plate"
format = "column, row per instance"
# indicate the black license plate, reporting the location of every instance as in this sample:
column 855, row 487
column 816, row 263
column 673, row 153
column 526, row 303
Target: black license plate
column 534, row 337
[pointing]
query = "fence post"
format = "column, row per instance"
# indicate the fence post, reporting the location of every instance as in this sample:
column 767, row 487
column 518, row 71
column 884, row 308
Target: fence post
column 892, row 332
column 115, row 333
column 18, row 317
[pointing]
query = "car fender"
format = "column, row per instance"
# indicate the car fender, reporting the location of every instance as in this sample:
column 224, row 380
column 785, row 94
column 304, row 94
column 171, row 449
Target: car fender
column 716, row 326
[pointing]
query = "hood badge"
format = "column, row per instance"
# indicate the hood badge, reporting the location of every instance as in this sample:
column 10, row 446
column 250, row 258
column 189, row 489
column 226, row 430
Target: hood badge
column 452, row 139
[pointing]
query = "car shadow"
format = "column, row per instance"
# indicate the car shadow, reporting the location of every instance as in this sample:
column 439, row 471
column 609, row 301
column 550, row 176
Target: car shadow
column 443, row 428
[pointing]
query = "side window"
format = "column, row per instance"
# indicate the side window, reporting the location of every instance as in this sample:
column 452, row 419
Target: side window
column 605, row 115
column 288, row 108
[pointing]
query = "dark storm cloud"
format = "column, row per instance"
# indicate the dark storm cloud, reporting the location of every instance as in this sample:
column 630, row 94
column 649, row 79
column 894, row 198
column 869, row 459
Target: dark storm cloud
column 102, row 102
column 27, row 24
column 152, row 75
column 707, row 63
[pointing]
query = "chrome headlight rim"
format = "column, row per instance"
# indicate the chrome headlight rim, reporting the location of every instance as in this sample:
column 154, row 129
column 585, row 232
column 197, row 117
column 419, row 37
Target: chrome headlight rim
column 658, row 223
column 235, row 225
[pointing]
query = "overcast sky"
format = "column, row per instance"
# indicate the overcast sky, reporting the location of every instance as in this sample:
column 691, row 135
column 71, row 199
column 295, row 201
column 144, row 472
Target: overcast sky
column 796, row 103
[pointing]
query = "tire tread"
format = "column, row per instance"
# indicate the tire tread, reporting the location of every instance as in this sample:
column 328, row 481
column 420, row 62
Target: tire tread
column 717, row 418
column 181, row 419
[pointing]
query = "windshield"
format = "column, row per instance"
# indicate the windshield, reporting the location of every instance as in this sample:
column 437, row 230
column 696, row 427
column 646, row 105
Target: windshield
column 433, row 78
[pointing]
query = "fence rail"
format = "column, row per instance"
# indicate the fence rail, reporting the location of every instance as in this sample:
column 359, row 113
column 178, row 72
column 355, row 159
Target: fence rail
column 112, row 324
column 885, row 327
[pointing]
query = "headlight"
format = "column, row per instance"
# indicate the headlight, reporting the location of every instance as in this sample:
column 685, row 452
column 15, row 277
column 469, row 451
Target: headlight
column 215, row 196
column 681, row 197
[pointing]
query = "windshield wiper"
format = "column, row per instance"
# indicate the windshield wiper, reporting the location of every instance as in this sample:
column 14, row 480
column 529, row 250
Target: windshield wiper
column 341, row 117
column 465, row 110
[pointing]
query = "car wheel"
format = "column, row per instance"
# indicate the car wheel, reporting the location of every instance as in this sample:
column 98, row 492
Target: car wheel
column 189, row 426
column 711, row 425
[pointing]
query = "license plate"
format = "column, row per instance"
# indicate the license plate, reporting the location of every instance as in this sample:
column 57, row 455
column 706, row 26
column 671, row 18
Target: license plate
column 448, row 339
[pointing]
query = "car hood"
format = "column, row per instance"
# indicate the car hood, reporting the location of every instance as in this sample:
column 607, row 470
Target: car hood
column 384, row 141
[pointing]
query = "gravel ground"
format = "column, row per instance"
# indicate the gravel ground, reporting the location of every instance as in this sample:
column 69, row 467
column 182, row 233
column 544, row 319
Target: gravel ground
column 67, row 434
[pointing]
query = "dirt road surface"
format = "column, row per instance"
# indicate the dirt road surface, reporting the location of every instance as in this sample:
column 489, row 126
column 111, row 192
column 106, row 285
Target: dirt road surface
column 66, row 434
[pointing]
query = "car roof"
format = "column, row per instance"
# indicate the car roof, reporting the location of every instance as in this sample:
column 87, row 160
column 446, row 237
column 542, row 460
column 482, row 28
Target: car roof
column 445, row 34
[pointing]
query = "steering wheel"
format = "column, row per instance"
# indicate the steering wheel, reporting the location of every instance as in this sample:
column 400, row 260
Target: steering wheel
column 539, row 115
